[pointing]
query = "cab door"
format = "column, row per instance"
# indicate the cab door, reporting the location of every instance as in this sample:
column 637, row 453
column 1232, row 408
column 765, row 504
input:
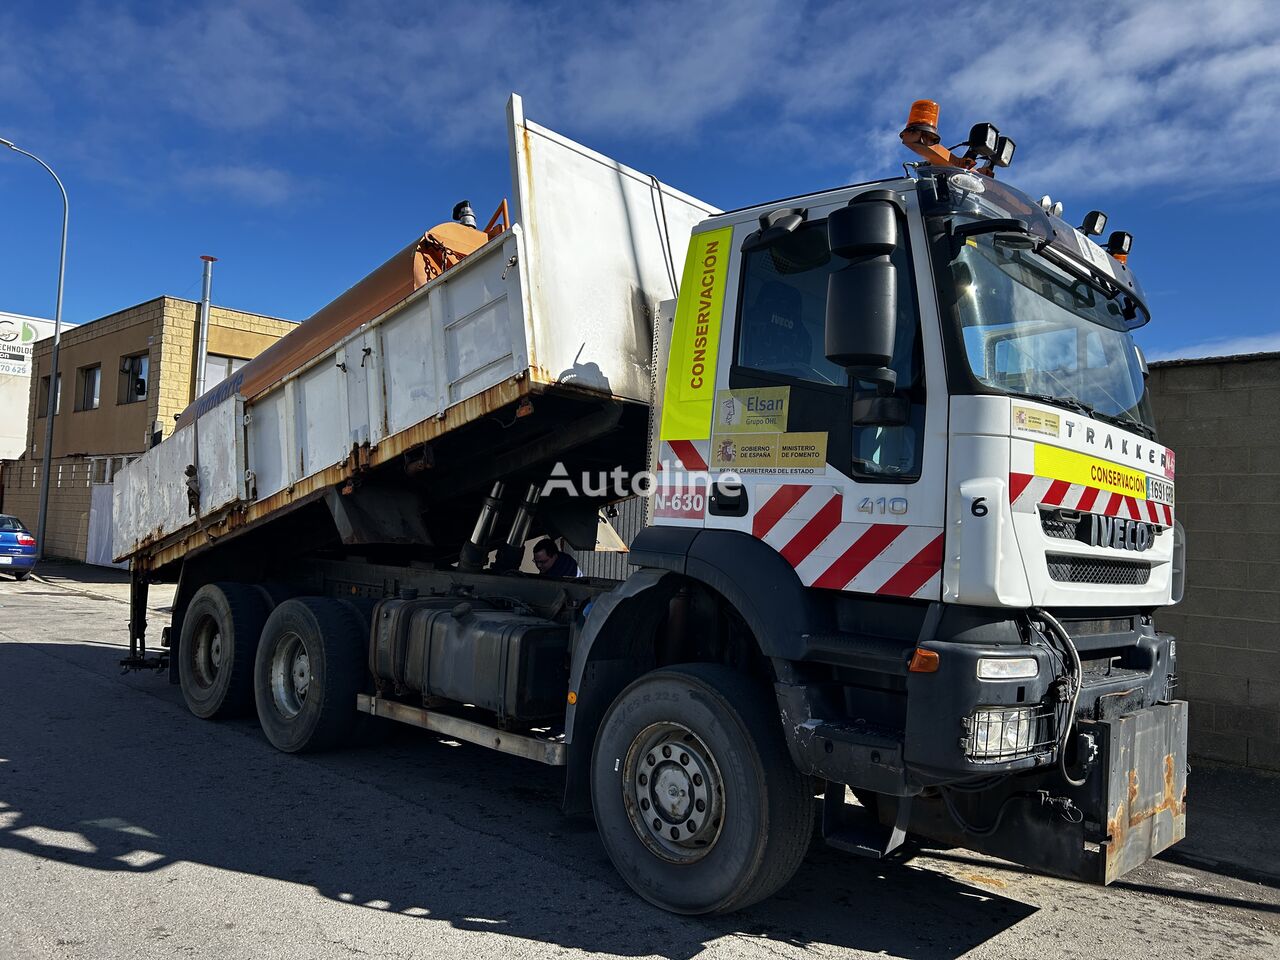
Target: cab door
column 866, row 516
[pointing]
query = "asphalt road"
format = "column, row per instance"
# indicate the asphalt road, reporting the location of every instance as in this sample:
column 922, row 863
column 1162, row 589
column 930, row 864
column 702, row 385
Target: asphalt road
column 128, row 828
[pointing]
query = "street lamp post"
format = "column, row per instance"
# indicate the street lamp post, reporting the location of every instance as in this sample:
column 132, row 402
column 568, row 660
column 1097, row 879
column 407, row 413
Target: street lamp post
column 46, row 463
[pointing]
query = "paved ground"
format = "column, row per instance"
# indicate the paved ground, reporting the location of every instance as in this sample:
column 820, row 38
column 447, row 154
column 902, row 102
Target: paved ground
column 130, row 829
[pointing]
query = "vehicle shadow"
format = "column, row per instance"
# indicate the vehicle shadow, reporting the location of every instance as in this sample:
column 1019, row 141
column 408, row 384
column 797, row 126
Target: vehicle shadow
column 111, row 774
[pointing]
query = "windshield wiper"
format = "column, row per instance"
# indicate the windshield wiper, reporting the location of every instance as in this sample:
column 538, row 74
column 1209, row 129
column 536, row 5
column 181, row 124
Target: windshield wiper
column 1070, row 402
column 1125, row 420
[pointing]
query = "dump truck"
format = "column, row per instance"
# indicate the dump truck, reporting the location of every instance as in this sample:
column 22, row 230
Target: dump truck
column 907, row 520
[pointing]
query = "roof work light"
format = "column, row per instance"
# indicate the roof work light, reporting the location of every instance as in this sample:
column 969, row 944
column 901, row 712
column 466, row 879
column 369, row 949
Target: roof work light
column 1119, row 244
column 984, row 144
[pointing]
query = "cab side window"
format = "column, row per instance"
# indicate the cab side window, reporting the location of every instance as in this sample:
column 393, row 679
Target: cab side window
column 783, row 313
column 781, row 337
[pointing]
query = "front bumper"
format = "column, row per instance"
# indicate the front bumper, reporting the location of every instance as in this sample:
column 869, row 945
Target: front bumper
column 1131, row 806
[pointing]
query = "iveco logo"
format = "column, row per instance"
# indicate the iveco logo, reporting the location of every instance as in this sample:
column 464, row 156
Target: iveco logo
column 1120, row 533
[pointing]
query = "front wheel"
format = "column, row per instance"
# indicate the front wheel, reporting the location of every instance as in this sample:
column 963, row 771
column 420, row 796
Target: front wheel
column 696, row 798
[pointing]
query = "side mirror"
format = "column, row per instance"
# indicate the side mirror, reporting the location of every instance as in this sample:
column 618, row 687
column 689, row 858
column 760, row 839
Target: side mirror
column 878, row 410
column 774, row 225
column 862, row 298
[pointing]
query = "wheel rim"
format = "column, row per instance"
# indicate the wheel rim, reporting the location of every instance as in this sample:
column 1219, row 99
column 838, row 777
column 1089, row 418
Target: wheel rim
column 207, row 655
column 673, row 792
column 290, row 675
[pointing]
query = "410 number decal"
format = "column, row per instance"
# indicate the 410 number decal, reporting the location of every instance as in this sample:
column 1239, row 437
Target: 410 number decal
column 894, row 505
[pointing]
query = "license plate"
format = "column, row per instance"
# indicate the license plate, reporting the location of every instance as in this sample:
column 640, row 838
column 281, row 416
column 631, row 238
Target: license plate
column 4, row 560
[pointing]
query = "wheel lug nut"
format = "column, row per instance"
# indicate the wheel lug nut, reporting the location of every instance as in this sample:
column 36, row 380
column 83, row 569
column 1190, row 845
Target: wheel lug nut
column 644, row 803
column 651, row 760
column 697, row 779
column 644, row 779
column 657, row 824
column 675, row 834
column 700, row 806
column 693, row 827
column 684, row 759
column 666, row 752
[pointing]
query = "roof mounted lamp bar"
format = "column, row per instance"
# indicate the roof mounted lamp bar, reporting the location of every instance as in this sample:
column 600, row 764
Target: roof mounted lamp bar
column 984, row 143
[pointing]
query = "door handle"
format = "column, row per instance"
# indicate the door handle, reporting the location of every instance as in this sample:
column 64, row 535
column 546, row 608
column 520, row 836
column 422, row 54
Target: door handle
column 727, row 500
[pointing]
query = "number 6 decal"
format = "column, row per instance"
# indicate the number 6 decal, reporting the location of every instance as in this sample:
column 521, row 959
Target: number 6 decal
column 979, row 507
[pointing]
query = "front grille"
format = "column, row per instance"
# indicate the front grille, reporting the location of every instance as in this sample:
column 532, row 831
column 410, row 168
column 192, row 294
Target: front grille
column 1055, row 526
column 1071, row 569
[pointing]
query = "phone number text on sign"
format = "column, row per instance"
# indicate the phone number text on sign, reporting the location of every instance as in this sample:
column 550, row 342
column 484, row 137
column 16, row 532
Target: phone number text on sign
column 686, row 501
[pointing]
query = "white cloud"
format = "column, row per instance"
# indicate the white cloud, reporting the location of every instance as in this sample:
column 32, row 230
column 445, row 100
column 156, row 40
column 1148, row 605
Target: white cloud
column 1109, row 94
column 1225, row 347
column 257, row 184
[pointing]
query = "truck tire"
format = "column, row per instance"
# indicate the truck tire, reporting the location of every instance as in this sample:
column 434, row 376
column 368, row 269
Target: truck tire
column 695, row 796
column 309, row 668
column 220, row 633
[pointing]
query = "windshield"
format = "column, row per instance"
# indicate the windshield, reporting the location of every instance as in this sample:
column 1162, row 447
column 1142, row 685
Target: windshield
column 1031, row 328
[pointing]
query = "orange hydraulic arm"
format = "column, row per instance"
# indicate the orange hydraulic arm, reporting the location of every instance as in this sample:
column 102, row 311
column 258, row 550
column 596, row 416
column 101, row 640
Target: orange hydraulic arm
column 439, row 249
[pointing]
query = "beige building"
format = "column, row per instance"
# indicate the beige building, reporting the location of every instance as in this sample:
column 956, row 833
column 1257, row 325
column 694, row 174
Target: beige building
column 121, row 381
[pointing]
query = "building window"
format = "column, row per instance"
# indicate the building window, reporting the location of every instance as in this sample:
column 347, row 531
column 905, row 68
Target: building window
column 217, row 369
column 43, row 403
column 133, row 378
column 89, row 387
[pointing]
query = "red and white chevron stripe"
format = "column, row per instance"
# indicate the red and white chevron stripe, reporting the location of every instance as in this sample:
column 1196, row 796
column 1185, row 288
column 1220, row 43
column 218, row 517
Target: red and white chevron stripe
column 1028, row 492
column 689, row 456
column 804, row 523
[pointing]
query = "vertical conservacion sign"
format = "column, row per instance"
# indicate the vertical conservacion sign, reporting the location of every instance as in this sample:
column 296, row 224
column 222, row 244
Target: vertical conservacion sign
column 690, row 391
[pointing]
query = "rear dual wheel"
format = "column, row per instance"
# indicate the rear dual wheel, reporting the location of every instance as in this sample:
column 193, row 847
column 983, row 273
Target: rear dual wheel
column 309, row 668
column 695, row 795
column 219, row 638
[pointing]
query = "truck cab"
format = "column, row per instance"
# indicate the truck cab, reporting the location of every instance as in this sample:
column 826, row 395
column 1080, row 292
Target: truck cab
column 905, row 431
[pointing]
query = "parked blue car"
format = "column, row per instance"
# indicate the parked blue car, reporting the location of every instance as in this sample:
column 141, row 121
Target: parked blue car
column 17, row 548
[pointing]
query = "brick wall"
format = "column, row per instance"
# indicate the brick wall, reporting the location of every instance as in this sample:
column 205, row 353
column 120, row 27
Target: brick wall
column 165, row 328
column 67, row 531
column 1222, row 418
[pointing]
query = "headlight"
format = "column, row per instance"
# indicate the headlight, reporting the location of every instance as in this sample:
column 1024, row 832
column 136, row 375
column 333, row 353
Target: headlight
column 1007, row 668
column 1007, row 733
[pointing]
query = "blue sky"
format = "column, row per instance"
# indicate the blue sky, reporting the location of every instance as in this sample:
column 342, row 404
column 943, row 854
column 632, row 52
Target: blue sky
column 303, row 143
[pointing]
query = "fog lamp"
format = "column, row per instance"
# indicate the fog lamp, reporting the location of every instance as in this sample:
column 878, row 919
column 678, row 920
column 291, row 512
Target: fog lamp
column 1001, row 733
column 1007, row 668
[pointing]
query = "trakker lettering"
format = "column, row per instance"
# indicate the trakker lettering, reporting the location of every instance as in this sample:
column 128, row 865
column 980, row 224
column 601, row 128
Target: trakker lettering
column 1146, row 453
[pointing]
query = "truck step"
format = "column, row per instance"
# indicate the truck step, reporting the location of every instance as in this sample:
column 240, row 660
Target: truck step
column 859, row 831
column 549, row 752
